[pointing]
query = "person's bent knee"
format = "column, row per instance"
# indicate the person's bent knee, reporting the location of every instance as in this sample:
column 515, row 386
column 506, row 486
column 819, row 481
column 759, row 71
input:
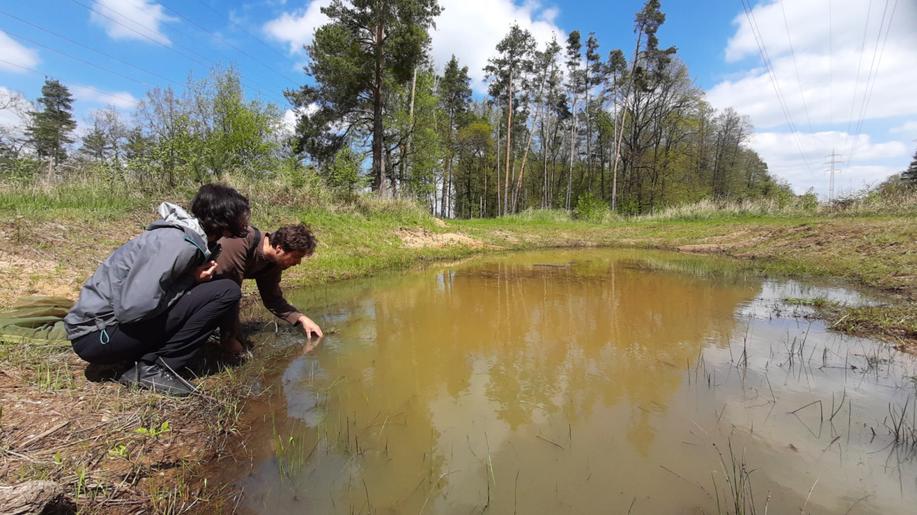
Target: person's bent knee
column 225, row 291
column 232, row 292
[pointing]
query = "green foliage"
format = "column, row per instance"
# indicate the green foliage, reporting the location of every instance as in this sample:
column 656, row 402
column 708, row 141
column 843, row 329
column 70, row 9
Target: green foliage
column 591, row 209
column 50, row 127
column 909, row 176
column 342, row 174
column 236, row 136
column 541, row 216
column 808, row 201
column 366, row 47
column 154, row 431
column 119, row 451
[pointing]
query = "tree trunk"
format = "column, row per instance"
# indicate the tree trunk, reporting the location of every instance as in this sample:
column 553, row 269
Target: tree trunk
column 544, row 158
column 509, row 139
column 407, row 147
column 528, row 143
column 497, row 183
column 572, row 153
column 378, row 129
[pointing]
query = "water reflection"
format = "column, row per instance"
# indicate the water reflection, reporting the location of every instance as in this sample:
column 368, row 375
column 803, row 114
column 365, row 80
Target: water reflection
column 564, row 381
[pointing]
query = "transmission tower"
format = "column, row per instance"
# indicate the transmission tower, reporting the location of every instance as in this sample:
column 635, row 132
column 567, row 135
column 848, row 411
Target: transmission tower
column 833, row 161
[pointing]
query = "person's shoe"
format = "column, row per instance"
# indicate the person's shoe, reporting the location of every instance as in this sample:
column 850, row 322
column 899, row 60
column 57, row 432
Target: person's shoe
column 97, row 373
column 156, row 378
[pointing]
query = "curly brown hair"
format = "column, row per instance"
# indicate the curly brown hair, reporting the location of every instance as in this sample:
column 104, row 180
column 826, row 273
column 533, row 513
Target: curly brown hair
column 294, row 238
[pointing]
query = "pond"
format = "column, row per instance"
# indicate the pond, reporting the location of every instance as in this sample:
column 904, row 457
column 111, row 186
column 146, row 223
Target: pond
column 582, row 381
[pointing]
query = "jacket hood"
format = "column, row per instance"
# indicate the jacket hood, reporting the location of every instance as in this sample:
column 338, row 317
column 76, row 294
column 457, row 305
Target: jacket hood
column 175, row 216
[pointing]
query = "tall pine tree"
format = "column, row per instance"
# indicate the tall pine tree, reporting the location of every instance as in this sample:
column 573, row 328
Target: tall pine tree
column 50, row 127
column 506, row 71
column 365, row 45
column 454, row 100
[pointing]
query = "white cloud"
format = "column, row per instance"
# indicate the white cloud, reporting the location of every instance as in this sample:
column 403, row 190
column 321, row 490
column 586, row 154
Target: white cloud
column 290, row 117
column 118, row 99
column 823, row 79
column 907, row 129
column 470, row 29
column 296, row 29
column 803, row 159
column 14, row 57
column 128, row 19
column 14, row 108
column 831, row 83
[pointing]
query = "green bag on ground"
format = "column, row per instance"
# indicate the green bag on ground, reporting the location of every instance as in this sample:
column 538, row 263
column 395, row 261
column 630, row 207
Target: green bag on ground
column 35, row 319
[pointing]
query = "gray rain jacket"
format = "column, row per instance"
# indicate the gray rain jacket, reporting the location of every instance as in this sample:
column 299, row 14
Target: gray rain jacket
column 143, row 277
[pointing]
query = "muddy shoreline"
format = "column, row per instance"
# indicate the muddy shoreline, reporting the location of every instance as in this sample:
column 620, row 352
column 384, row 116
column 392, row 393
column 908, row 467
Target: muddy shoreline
column 101, row 457
column 270, row 435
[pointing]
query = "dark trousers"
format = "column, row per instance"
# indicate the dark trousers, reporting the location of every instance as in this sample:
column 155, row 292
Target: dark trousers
column 175, row 336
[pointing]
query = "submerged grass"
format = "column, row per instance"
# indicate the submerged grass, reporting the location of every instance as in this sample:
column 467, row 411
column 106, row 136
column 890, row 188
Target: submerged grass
column 53, row 237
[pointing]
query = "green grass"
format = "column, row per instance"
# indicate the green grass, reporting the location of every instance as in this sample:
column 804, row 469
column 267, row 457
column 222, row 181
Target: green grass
column 74, row 226
column 73, row 199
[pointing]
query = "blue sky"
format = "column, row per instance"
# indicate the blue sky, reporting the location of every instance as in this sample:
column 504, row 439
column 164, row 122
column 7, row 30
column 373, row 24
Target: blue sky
column 825, row 55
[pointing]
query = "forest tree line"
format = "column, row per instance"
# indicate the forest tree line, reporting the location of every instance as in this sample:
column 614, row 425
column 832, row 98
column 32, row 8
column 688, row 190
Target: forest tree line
column 563, row 124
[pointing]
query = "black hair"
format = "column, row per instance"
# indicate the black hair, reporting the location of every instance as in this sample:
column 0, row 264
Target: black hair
column 294, row 238
column 220, row 208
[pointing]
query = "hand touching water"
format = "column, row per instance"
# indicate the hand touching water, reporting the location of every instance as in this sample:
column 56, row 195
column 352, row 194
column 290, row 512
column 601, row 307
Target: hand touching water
column 310, row 328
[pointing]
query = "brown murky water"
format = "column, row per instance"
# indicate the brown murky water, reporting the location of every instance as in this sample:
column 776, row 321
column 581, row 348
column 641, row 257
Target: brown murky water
column 587, row 381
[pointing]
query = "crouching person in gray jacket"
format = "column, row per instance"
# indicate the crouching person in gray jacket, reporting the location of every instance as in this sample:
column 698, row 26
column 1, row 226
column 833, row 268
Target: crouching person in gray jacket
column 152, row 302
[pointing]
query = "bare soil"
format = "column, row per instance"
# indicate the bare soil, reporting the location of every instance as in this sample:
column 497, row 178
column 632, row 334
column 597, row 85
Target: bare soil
column 422, row 238
column 97, row 438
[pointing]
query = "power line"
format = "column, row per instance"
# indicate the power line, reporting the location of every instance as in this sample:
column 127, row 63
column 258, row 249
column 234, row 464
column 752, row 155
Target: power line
column 250, row 33
column 234, row 47
column 874, row 71
column 17, row 65
column 856, row 83
column 187, row 53
column 145, row 36
column 830, row 70
column 81, row 45
column 81, row 60
column 759, row 40
column 802, row 94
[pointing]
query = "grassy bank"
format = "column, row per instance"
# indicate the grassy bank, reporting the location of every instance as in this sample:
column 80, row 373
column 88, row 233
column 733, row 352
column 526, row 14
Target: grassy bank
column 123, row 451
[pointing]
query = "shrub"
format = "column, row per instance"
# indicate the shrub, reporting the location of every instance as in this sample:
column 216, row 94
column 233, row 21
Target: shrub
column 592, row 209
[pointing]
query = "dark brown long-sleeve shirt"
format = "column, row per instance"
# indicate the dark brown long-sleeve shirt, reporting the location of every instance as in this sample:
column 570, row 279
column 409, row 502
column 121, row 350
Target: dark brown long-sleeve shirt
column 242, row 258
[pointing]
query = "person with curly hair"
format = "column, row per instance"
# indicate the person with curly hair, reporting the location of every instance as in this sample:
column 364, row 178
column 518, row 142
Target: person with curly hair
column 264, row 257
column 154, row 301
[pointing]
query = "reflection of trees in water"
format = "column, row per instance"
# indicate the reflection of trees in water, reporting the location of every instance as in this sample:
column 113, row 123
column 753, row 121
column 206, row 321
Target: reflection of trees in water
column 559, row 341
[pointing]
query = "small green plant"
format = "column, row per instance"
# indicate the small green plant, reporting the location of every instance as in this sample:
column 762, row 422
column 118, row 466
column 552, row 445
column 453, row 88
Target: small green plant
column 80, row 482
column 816, row 302
column 51, row 378
column 58, row 458
column 153, row 431
column 590, row 208
column 119, row 451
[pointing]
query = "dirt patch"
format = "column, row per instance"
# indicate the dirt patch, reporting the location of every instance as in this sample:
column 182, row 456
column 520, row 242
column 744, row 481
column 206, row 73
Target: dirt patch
column 55, row 258
column 422, row 238
column 35, row 276
column 114, row 450
column 731, row 242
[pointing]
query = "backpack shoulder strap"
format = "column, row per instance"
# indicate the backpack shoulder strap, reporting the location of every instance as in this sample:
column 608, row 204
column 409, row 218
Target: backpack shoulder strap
column 254, row 246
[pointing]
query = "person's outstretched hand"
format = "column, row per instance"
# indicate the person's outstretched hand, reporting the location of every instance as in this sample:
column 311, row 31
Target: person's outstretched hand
column 309, row 327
